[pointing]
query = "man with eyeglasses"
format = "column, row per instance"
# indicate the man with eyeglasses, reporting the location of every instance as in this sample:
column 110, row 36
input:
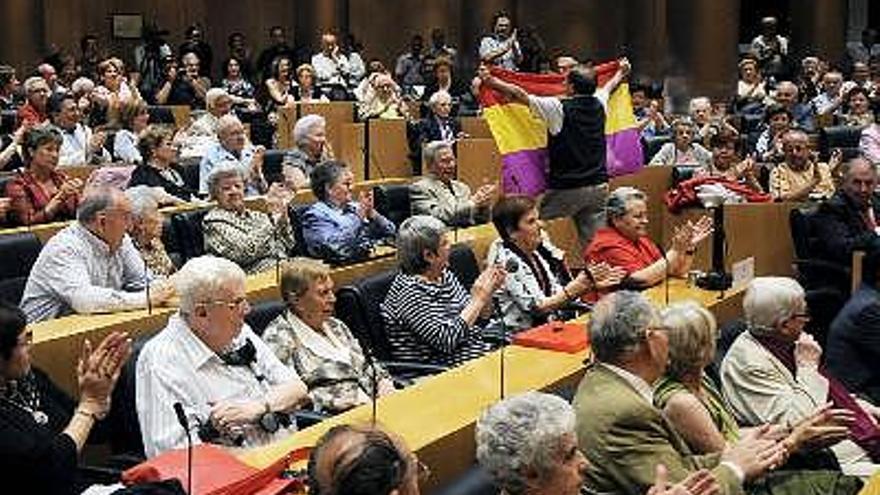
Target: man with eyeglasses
column 232, row 388
column 800, row 177
column 79, row 145
column 92, row 266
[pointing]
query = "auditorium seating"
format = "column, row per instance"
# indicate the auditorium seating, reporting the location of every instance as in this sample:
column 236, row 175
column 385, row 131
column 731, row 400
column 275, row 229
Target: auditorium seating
column 189, row 233
column 651, row 145
column 393, row 201
column 272, row 169
column 262, row 313
column 19, row 252
column 844, row 137
column 122, row 421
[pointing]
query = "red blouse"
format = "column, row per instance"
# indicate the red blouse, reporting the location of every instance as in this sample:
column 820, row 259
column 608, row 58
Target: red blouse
column 610, row 246
column 29, row 200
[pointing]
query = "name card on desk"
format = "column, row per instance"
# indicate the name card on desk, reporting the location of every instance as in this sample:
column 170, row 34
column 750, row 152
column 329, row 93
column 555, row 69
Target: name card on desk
column 743, row 271
column 555, row 336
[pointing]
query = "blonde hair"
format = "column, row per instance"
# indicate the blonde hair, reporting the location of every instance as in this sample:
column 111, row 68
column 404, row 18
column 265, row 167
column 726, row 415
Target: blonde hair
column 693, row 334
column 298, row 274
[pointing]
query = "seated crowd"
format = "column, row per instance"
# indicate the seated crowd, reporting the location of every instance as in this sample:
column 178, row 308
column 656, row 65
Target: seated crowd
column 656, row 412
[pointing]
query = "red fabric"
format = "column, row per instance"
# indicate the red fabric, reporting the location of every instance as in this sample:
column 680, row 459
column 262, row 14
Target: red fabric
column 555, row 336
column 28, row 114
column 539, row 84
column 29, row 199
column 685, row 194
column 610, row 246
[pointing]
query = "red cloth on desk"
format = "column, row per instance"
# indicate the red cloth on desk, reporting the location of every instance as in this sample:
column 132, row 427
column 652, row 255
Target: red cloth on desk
column 610, row 246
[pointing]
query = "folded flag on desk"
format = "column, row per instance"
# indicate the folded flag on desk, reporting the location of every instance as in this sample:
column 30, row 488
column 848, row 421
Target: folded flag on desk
column 522, row 137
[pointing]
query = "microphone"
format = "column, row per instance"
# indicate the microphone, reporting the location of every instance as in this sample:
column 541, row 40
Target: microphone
column 511, row 266
column 147, row 287
column 184, row 423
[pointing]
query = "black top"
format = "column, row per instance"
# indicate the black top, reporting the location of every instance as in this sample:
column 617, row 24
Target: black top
column 38, row 456
column 150, row 176
column 183, row 93
column 841, row 229
column 577, row 153
column 853, row 348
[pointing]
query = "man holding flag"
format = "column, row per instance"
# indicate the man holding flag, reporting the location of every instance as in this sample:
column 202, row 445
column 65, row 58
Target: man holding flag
column 577, row 182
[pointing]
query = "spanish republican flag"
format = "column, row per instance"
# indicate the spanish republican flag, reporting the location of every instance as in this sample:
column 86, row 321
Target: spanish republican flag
column 522, row 137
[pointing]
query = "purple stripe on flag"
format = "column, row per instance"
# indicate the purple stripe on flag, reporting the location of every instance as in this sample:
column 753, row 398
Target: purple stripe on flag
column 623, row 153
column 525, row 172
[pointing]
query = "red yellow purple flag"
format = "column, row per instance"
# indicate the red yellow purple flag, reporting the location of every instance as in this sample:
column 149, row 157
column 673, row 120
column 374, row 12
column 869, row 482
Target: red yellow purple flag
column 522, row 137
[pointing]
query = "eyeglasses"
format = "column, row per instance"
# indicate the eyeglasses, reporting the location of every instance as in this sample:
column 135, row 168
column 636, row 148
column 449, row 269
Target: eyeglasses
column 805, row 315
column 239, row 304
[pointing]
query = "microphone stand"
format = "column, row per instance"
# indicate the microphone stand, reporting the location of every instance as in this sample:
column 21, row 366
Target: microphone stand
column 184, row 423
column 147, row 288
column 718, row 279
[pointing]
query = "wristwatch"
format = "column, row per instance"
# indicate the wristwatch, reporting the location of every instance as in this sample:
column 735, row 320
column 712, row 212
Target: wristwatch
column 269, row 420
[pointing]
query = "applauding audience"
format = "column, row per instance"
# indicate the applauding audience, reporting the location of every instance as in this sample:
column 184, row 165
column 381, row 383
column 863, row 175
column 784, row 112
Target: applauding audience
column 233, row 147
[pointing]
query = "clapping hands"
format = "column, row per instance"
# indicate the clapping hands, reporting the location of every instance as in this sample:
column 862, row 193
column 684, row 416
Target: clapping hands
column 687, row 236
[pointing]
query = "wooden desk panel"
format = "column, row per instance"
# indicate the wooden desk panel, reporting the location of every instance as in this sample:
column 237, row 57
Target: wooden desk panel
column 336, row 113
column 284, row 127
column 352, row 149
column 653, row 181
column 388, row 149
column 476, row 127
column 479, row 162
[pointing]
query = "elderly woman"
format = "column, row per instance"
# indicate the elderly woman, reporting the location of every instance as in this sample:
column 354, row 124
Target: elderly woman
column 541, row 289
column 305, row 90
column 682, row 150
column 777, row 120
column 34, row 111
column 145, row 230
column 440, row 195
column 528, row 445
column 114, row 89
column 311, row 148
column 337, row 228
column 382, row 100
column 708, row 120
column 429, row 317
column 233, row 147
column 355, row 460
column 133, row 119
column 252, row 239
column 320, row 348
column 40, row 193
column 444, row 80
column 857, row 108
column 158, row 168
column 727, row 165
column 771, row 373
column 42, row 430
column 750, row 87
column 624, row 242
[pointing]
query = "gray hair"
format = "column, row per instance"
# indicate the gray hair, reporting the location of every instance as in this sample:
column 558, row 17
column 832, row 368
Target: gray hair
column 304, row 125
column 847, row 167
column 522, row 435
column 433, row 148
column 771, row 300
column 618, row 200
column 693, row 335
column 95, row 201
column 82, row 85
column 223, row 171
column 416, row 234
column 618, row 324
column 439, row 97
column 700, row 101
column 213, row 96
column 200, row 279
column 31, row 83
column 143, row 201
column 226, row 122
column 324, row 176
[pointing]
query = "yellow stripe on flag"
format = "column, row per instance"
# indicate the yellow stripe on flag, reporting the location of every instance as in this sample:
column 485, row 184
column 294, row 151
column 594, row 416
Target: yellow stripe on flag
column 619, row 114
column 515, row 128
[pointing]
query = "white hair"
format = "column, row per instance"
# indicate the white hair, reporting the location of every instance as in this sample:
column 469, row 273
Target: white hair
column 82, row 85
column 143, row 200
column 226, row 122
column 522, row 435
column 699, row 102
column 31, row 83
column 440, row 96
column 431, row 150
column 771, row 300
column 213, row 96
column 201, row 279
column 304, row 125
column 222, row 171
column 618, row 324
column 618, row 200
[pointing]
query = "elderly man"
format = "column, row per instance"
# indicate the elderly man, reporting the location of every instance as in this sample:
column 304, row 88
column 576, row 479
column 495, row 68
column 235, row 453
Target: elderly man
column 771, row 373
column 331, row 66
column 209, row 361
column 33, row 112
column 217, row 103
column 254, row 240
column 312, row 148
column 622, row 433
column 439, row 195
column 234, row 148
column 827, row 103
column 577, row 180
column 849, row 220
column 91, row 266
column 787, row 95
column 80, row 146
column 798, row 177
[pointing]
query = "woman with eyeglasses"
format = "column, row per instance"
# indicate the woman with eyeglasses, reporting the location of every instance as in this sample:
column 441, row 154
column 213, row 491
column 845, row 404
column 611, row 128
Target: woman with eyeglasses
column 42, row 429
column 320, row 348
column 353, row 460
column 159, row 168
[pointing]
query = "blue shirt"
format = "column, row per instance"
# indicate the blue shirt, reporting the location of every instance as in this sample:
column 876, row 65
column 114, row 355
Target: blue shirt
column 339, row 234
column 218, row 155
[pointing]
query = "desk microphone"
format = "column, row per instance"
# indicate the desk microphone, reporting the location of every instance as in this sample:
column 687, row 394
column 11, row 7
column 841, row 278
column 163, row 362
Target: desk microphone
column 511, row 266
column 184, row 423
column 147, row 287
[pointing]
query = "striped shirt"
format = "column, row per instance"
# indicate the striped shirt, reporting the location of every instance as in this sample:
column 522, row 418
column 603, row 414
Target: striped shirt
column 176, row 366
column 424, row 324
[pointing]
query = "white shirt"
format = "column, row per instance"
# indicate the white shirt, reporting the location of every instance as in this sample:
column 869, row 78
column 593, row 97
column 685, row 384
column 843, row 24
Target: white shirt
column 329, row 71
column 125, row 147
column 76, row 272
column 176, row 366
column 76, row 150
column 638, row 383
column 550, row 110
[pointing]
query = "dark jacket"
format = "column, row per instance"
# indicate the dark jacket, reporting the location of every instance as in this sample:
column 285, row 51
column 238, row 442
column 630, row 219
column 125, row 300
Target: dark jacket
column 853, row 348
column 149, row 176
column 841, row 229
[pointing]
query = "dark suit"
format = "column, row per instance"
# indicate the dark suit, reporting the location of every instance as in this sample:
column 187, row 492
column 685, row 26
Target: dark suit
column 853, row 349
column 624, row 437
column 841, row 229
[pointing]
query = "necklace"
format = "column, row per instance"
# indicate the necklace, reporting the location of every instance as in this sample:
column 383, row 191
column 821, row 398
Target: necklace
column 23, row 394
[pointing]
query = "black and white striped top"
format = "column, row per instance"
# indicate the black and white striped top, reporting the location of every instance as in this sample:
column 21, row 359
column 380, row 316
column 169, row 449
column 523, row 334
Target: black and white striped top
column 423, row 322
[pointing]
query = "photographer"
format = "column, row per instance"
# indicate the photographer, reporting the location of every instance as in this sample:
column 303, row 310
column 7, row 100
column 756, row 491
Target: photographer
column 184, row 87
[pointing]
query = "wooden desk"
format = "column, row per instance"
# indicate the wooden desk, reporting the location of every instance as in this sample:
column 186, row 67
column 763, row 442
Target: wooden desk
column 388, row 149
column 284, row 127
column 442, row 431
column 475, row 127
column 353, row 148
column 336, row 113
column 479, row 162
column 653, row 181
column 57, row 343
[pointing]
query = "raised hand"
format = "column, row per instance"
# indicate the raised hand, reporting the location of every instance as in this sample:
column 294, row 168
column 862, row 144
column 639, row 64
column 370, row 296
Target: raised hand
column 604, row 275
column 807, row 351
column 701, row 482
column 98, row 369
column 366, row 208
column 757, row 453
